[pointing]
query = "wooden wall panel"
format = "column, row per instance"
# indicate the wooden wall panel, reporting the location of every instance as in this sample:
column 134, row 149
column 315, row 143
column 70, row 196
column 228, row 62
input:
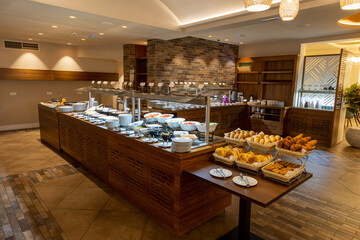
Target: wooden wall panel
column 49, row 126
column 48, row 75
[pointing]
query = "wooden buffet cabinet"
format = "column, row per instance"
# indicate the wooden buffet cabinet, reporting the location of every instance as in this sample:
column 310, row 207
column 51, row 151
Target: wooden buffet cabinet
column 150, row 177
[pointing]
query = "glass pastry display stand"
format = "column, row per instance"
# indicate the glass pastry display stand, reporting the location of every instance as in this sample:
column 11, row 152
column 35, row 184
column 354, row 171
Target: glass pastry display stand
column 201, row 99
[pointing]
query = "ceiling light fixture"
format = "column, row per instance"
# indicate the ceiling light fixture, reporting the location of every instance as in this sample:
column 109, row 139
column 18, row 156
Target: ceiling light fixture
column 210, row 36
column 54, row 26
column 350, row 4
column 102, row 34
column 83, row 39
column 226, row 40
column 289, row 9
column 124, row 26
column 257, row 5
column 40, row 34
column 72, row 17
column 241, row 43
column 30, row 39
column 69, row 43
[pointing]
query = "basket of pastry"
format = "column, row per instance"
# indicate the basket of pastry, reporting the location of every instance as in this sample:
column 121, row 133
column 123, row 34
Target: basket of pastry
column 238, row 136
column 253, row 160
column 296, row 147
column 282, row 170
column 228, row 155
column 263, row 141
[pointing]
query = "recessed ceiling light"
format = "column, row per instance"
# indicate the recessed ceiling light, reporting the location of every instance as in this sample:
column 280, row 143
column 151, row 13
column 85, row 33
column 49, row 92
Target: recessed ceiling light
column 210, row 36
column 69, row 43
column 40, row 34
column 83, row 39
column 72, row 17
column 226, row 40
column 102, row 34
column 124, row 26
column 30, row 39
column 241, row 43
column 54, row 26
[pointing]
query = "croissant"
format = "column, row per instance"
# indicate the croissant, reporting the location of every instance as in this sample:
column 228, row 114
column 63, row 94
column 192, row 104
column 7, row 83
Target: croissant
column 312, row 142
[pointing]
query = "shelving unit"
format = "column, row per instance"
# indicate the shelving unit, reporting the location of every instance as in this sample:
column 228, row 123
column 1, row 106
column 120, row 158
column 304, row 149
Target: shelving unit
column 270, row 78
column 141, row 65
column 271, row 121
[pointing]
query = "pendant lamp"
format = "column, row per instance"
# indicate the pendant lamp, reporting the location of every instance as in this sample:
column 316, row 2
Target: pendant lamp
column 349, row 4
column 257, row 5
column 289, row 9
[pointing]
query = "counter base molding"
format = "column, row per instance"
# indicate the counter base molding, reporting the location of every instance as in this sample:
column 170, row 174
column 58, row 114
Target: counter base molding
column 147, row 176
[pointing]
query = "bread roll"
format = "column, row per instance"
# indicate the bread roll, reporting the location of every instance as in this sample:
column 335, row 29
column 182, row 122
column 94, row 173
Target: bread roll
column 257, row 139
column 262, row 141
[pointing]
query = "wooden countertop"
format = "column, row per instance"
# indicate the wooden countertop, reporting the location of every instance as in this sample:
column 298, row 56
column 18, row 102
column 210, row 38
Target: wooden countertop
column 263, row 194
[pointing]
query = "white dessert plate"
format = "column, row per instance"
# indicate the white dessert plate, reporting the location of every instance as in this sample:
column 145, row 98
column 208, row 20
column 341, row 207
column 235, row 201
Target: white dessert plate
column 164, row 144
column 216, row 172
column 237, row 180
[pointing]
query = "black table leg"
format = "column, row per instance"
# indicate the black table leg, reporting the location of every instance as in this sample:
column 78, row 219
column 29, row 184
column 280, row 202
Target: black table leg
column 242, row 232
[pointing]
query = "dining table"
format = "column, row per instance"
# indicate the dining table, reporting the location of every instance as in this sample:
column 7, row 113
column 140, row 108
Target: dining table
column 264, row 193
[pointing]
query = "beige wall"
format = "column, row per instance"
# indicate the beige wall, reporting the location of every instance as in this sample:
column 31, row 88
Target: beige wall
column 19, row 99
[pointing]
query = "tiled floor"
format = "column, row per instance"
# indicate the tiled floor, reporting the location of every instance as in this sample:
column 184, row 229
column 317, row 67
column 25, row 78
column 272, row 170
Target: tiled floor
column 44, row 197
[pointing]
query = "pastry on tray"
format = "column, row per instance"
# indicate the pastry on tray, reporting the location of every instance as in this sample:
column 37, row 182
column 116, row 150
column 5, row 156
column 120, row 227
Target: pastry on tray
column 282, row 167
column 297, row 144
column 239, row 134
column 264, row 139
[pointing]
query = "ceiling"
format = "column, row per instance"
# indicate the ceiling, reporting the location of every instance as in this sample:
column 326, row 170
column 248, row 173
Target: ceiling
column 164, row 19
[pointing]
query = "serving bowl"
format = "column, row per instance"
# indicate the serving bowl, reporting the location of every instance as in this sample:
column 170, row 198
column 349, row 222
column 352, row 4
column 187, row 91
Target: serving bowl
column 193, row 137
column 181, row 145
column 112, row 122
column 188, row 125
column 162, row 118
column 151, row 117
column 174, row 122
column 201, row 127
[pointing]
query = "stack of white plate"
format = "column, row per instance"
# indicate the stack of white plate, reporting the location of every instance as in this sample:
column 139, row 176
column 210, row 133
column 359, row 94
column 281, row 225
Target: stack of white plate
column 181, row 145
column 79, row 107
column 66, row 108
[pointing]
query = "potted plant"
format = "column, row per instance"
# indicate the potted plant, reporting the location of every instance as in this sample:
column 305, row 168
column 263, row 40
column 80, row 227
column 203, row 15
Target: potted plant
column 352, row 100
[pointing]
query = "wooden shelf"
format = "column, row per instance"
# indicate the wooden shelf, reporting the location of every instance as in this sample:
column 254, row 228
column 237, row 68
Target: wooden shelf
column 278, row 82
column 141, row 58
column 266, row 106
column 277, row 72
column 318, row 91
column 270, row 114
column 141, row 74
column 254, row 72
column 247, row 82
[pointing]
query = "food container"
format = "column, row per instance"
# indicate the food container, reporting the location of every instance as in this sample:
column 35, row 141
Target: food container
column 125, row 119
column 193, row 137
column 179, row 133
column 181, row 145
column 188, row 125
column 283, row 178
column 79, row 107
column 151, row 117
column 112, row 122
column 160, row 105
column 201, row 127
column 136, row 124
column 162, row 118
column 66, row 108
column 174, row 122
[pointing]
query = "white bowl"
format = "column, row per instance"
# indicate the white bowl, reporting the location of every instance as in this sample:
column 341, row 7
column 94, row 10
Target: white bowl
column 136, row 124
column 162, row 119
column 202, row 127
column 193, row 137
column 112, row 122
column 188, row 127
column 66, row 108
column 174, row 122
column 151, row 119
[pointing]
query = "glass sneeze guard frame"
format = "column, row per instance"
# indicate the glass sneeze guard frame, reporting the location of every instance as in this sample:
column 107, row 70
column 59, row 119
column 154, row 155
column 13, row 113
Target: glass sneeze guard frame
column 198, row 100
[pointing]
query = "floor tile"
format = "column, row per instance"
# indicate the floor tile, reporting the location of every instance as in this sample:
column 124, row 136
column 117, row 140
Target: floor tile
column 116, row 226
column 74, row 222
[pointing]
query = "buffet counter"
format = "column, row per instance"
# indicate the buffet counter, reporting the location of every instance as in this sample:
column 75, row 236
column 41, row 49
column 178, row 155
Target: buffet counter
column 148, row 176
